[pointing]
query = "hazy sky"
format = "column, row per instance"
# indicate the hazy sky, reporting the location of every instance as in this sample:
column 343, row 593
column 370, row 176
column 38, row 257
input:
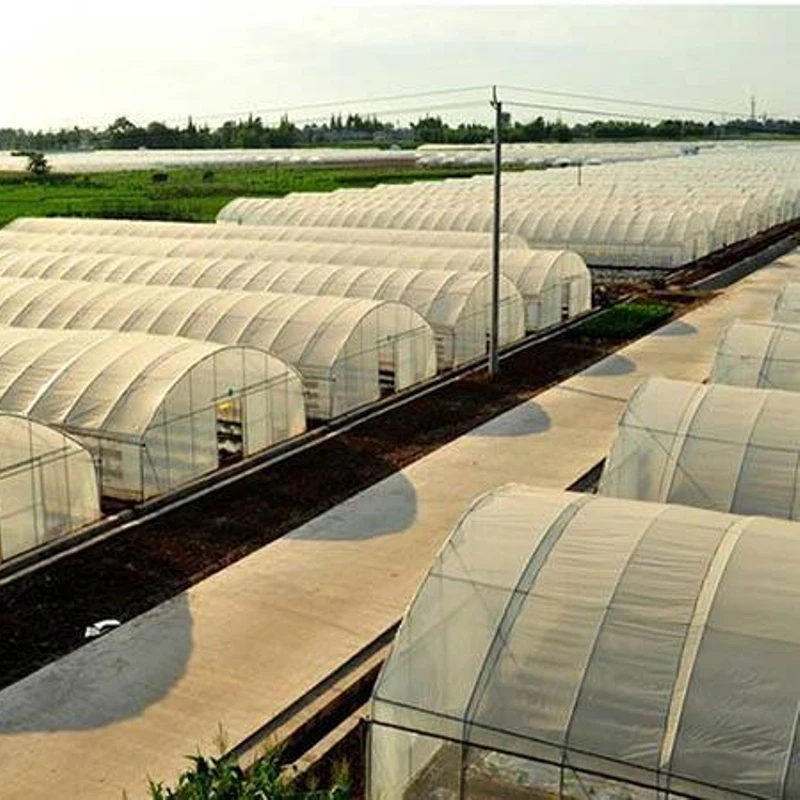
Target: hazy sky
column 86, row 62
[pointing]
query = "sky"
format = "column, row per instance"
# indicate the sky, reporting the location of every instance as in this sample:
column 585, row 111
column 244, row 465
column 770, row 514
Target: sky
column 86, row 62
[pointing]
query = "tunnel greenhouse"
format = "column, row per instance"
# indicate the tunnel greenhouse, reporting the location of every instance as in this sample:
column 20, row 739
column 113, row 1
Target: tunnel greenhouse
column 572, row 646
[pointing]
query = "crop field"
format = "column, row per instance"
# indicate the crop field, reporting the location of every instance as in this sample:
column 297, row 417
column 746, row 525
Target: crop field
column 193, row 195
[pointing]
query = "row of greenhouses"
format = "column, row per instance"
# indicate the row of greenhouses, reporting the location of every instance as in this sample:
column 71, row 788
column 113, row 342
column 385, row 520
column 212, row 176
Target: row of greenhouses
column 657, row 213
column 553, row 284
column 455, row 304
column 636, row 644
column 321, row 324
column 190, row 230
column 533, row 154
column 338, row 345
column 125, row 416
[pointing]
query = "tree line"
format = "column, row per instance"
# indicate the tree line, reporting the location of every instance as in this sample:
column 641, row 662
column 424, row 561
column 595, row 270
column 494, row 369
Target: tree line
column 253, row 132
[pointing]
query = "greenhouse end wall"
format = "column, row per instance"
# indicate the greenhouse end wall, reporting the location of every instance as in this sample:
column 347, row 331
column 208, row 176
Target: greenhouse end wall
column 48, row 486
column 212, row 416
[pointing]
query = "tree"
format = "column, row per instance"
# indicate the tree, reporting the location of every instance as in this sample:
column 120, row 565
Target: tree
column 37, row 163
column 124, row 135
column 429, row 129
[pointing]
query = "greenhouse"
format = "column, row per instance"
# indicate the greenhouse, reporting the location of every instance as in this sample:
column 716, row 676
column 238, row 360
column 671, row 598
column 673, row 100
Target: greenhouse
column 764, row 355
column 48, row 485
column 724, row 448
column 572, row 646
column 604, row 233
column 662, row 213
column 455, row 304
column 346, row 349
column 155, row 411
column 554, row 284
column 257, row 232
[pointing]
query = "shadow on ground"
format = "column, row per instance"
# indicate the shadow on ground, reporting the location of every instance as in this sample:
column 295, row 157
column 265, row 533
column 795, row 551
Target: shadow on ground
column 677, row 328
column 113, row 678
column 523, row 420
column 389, row 506
column 611, row 366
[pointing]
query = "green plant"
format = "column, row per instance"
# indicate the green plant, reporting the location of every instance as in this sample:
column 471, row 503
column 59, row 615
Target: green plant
column 624, row 322
column 223, row 779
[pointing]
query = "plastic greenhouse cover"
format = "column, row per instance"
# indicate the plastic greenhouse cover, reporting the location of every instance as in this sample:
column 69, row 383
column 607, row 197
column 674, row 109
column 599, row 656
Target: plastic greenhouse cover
column 712, row 446
column 641, row 641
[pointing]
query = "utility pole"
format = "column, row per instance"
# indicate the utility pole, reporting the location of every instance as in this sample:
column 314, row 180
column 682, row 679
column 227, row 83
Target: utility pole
column 753, row 107
column 494, row 360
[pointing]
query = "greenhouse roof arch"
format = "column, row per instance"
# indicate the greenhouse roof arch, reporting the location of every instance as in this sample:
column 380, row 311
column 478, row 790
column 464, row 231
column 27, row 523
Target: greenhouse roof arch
column 149, row 407
column 338, row 345
column 454, row 303
column 724, row 448
column 530, row 272
column 257, row 232
column 568, row 645
column 763, row 355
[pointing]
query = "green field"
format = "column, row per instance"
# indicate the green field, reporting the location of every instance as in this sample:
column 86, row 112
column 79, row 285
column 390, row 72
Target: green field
column 195, row 194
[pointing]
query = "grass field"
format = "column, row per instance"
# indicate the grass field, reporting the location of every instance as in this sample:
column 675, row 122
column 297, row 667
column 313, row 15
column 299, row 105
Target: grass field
column 194, row 194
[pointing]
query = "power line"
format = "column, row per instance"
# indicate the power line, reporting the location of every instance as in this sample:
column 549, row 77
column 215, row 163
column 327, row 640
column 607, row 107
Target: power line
column 408, row 110
column 618, row 100
column 341, row 103
column 574, row 110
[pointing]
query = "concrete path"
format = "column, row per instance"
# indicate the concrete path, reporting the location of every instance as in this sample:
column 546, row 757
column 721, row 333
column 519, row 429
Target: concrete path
column 240, row 646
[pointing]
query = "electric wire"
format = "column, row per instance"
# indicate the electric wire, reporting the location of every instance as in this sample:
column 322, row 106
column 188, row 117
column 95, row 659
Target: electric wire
column 621, row 101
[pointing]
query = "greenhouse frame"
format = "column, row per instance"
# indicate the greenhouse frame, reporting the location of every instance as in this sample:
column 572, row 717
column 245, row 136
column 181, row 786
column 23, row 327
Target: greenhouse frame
column 554, row 284
column 242, row 228
column 567, row 645
column 455, row 304
column 155, row 411
column 724, row 448
column 763, row 355
column 48, row 485
column 340, row 346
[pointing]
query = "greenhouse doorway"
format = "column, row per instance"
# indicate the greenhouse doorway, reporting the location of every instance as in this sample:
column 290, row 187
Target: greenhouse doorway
column 566, row 300
column 389, row 358
column 230, row 430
